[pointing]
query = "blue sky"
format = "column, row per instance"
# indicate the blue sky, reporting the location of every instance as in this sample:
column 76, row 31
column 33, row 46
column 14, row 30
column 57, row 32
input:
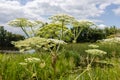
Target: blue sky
column 102, row 12
column 109, row 18
column 23, row 1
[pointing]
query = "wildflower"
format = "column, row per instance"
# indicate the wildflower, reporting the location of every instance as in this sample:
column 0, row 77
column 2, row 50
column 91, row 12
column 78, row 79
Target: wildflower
column 22, row 50
column 55, row 41
column 111, row 40
column 33, row 59
column 36, row 43
column 95, row 52
column 23, row 63
column 34, row 75
column 42, row 64
column 93, row 46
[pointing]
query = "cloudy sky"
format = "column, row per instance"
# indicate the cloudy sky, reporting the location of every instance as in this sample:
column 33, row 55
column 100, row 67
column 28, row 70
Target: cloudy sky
column 103, row 12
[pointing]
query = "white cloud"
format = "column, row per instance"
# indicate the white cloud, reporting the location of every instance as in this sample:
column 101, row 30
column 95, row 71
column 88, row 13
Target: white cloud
column 13, row 29
column 117, row 10
column 41, row 9
column 104, row 5
column 9, row 10
column 36, row 9
column 116, row 2
column 101, row 26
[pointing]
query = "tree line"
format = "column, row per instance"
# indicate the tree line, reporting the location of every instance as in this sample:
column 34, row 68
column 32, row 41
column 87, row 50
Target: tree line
column 7, row 37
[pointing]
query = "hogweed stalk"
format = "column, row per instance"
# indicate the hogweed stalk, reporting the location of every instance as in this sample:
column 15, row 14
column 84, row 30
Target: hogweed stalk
column 93, row 52
column 32, row 61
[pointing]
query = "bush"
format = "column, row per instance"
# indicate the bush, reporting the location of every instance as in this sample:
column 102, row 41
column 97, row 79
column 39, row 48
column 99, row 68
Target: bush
column 91, row 35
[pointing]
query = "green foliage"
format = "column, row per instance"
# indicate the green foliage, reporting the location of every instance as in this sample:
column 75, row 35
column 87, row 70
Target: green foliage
column 12, row 69
column 110, row 30
column 96, row 34
column 6, row 38
column 111, row 46
column 78, row 52
column 28, row 66
column 54, row 31
column 92, row 54
column 91, row 35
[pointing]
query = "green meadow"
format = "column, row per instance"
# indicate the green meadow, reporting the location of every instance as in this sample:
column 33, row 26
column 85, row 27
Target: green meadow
column 71, row 64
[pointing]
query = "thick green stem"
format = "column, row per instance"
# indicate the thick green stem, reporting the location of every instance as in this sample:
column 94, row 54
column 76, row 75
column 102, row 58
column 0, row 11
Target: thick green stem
column 34, row 72
column 25, row 32
column 54, row 61
column 87, row 69
column 75, row 38
column 81, row 74
column 32, row 30
column 62, row 30
column 74, row 32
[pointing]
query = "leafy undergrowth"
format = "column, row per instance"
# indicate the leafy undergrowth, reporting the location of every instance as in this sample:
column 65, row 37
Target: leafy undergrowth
column 71, row 64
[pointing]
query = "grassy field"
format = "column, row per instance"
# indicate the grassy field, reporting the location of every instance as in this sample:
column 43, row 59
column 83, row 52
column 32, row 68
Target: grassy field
column 71, row 63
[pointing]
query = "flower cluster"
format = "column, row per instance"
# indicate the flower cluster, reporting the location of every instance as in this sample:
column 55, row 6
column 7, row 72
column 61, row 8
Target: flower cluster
column 93, row 46
column 95, row 52
column 111, row 40
column 23, row 63
column 33, row 59
column 37, row 43
column 57, row 41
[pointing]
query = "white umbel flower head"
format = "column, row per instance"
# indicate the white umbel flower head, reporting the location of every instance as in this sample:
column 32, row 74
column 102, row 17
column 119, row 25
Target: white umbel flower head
column 23, row 63
column 32, row 59
column 95, row 52
column 111, row 40
column 42, row 64
column 93, row 46
column 55, row 41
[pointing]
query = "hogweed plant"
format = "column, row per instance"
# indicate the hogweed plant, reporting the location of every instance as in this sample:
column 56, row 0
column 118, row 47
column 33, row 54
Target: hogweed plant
column 93, row 46
column 95, row 52
column 30, row 66
column 23, row 63
column 92, row 54
column 115, row 40
column 38, row 44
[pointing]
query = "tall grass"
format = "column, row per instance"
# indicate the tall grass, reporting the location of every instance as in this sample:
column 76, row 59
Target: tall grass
column 70, row 64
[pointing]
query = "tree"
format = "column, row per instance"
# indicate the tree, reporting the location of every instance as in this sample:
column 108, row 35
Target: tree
column 63, row 19
column 2, row 35
column 110, row 30
column 78, row 27
column 54, row 31
column 7, row 37
column 91, row 35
